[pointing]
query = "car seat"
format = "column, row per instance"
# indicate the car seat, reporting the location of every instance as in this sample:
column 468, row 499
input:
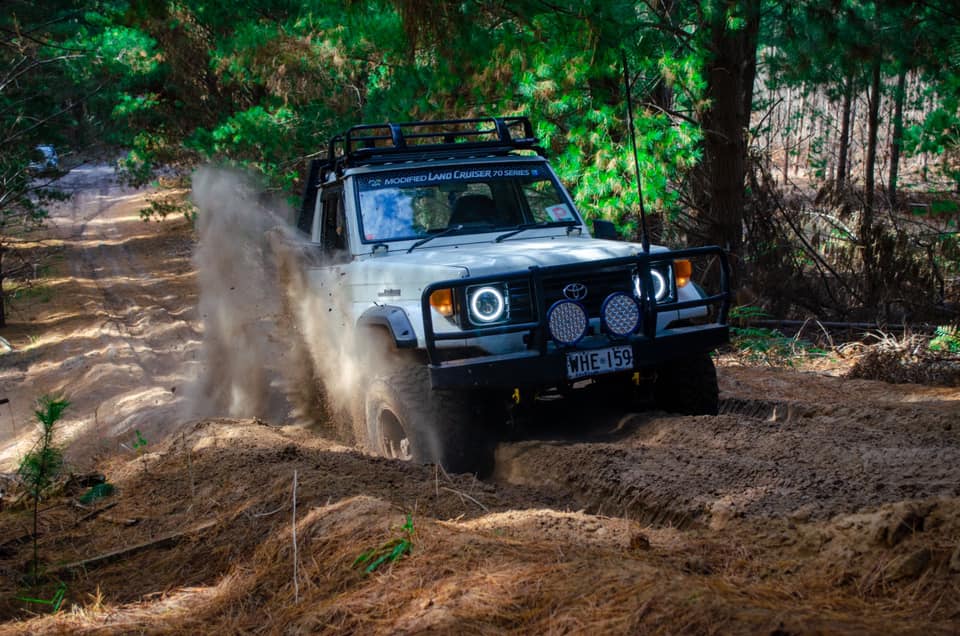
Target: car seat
column 473, row 209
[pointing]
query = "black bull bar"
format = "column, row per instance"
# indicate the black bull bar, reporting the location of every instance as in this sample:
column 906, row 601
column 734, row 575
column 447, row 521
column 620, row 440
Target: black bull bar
column 541, row 366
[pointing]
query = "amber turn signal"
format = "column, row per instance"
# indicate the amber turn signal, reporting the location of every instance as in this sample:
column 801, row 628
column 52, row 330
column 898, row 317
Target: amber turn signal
column 682, row 270
column 442, row 301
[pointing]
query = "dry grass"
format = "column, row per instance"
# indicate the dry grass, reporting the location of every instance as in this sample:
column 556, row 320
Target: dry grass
column 906, row 360
column 515, row 569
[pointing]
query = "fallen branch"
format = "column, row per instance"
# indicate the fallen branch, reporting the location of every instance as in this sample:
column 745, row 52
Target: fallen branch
column 94, row 513
column 463, row 496
column 296, row 583
column 121, row 521
column 268, row 513
column 167, row 540
column 18, row 540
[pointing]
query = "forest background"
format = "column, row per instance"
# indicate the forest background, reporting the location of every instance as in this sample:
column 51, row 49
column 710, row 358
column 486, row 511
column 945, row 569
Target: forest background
column 818, row 140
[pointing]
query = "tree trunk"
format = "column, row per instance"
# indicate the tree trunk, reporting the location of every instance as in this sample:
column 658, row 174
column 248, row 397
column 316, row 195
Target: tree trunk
column 786, row 138
column 3, row 295
column 867, row 229
column 730, row 74
column 873, row 127
column 844, row 132
column 897, row 141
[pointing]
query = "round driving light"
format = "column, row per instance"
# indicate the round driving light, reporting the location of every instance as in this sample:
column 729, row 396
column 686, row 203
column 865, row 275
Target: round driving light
column 621, row 314
column 487, row 304
column 659, row 285
column 567, row 321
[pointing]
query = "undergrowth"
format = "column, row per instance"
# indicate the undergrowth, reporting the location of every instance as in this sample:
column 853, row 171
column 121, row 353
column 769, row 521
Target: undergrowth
column 946, row 339
column 40, row 466
column 389, row 552
column 763, row 344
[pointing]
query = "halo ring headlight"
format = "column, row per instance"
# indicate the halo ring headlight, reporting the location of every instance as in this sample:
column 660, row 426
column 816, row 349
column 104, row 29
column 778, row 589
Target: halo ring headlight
column 659, row 284
column 660, row 287
column 487, row 305
column 620, row 314
column 567, row 321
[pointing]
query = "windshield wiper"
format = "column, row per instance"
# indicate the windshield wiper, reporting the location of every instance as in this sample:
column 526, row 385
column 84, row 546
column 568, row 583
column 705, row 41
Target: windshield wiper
column 426, row 239
column 533, row 226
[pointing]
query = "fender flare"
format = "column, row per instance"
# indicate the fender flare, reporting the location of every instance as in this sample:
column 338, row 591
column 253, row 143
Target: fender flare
column 396, row 322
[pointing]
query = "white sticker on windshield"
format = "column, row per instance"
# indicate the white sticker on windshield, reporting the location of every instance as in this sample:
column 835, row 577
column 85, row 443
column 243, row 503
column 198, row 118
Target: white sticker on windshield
column 560, row 212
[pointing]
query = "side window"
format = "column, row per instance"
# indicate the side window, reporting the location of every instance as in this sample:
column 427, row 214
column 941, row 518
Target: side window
column 307, row 212
column 333, row 230
column 305, row 220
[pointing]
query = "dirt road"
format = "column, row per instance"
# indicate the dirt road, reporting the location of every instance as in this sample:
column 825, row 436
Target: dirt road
column 113, row 325
column 788, row 443
column 812, row 504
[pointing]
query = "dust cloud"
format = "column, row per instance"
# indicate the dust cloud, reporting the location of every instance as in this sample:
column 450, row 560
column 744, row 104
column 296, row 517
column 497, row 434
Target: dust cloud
column 276, row 344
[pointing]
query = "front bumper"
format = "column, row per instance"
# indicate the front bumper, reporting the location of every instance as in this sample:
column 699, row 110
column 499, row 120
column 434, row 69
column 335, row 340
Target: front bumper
column 543, row 364
column 530, row 368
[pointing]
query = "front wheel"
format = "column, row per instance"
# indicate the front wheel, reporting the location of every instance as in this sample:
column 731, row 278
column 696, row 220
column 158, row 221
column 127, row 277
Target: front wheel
column 688, row 385
column 407, row 420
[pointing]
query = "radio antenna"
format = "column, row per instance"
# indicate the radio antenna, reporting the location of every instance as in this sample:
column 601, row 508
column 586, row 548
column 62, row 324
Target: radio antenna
column 644, row 235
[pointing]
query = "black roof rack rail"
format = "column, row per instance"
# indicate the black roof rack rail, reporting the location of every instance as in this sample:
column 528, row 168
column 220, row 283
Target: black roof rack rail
column 369, row 144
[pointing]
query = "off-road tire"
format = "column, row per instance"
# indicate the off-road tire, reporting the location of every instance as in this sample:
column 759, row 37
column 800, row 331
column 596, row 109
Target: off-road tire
column 688, row 386
column 408, row 420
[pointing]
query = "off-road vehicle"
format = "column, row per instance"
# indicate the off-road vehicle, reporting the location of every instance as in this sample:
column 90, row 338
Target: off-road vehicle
column 453, row 246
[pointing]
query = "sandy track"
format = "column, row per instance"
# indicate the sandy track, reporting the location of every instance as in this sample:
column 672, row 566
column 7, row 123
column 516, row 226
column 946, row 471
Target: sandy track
column 835, row 446
column 118, row 331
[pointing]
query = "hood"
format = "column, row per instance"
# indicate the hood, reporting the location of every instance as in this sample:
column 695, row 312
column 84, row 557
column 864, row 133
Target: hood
column 480, row 259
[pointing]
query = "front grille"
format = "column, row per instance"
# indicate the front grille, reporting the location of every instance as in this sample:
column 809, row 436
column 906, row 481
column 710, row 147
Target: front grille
column 599, row 284
column 521, row 301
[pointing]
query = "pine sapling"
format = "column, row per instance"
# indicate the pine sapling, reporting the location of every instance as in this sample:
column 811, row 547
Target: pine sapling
column 41, row 465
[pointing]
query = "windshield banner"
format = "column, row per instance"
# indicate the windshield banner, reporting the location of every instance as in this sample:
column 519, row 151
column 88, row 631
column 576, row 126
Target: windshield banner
column 430, row 177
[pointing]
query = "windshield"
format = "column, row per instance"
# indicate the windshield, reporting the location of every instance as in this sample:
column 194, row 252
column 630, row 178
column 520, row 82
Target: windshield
column 414, row 204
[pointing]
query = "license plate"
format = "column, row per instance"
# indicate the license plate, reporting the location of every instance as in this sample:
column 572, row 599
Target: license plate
column 581, row 364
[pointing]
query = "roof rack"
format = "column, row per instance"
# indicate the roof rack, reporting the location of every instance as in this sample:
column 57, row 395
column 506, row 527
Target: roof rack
column 370, row 144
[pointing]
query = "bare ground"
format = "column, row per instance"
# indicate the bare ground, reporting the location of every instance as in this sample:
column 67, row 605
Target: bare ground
column 812, row 504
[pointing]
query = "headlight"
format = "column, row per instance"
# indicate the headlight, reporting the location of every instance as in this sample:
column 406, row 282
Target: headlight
column 487, row 304
column 661, row 286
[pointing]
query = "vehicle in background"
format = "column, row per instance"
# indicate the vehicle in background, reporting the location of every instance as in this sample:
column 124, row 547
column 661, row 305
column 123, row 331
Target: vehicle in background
column 43, row 160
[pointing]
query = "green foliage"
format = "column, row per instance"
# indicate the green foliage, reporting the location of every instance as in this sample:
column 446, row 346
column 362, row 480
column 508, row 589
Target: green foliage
column 98, row 492
column 43, row 462
column 266, row 86
column 946, row 339
column 160, row 208
column 39, row 293
column 139, row 443
column 54, row 602
column 389, row 552
column 41, row 465
column 765, row 345
column 939, row 132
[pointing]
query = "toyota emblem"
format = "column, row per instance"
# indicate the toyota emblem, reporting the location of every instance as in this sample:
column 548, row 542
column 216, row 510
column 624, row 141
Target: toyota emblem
column 575, row 291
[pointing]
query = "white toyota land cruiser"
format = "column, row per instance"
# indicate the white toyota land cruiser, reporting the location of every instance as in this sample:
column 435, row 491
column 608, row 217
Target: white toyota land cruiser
column 455, row 244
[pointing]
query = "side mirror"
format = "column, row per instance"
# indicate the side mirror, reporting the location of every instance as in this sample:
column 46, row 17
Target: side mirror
column 605, row 230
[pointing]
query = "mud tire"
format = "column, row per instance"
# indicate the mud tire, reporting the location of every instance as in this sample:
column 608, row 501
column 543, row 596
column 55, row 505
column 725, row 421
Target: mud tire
column 688, row 386
column 407, row 420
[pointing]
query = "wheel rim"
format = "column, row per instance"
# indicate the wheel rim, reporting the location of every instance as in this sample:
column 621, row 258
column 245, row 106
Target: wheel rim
column 393, row 439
